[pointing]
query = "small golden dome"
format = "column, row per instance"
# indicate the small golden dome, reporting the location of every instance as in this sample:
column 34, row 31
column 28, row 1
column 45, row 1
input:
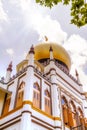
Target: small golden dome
column 59, row 53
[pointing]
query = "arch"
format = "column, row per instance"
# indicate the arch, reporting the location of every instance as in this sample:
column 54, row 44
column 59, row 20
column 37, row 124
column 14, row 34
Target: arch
column 64, row 109
column 47, row 100
column 36, row 86
column 7, row 104
column 80, row 111
column 72, row 106
column 73, row 114
column 47, row 93
column 36, row 95
column 21, row 85
column 20, row 94
column 81, row 120
column 64, row 101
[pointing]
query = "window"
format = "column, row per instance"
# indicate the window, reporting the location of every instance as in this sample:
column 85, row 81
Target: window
column 47, row 102
column 7, row 104
column 81, row 120
column 36, row 95
column 65, row 110
column 73, row 115
column 20, row 94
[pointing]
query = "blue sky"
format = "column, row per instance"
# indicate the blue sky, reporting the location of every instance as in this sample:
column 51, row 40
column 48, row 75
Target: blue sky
column 23, row 23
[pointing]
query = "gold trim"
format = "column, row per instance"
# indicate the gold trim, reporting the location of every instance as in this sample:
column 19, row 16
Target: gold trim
column 34, row 108
column 57, row 118
column 42, row 112
column 27, row 102
column 10, row 112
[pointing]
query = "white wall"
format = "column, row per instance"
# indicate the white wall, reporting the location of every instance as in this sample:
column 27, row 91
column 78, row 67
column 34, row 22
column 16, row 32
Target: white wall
column 13, row 127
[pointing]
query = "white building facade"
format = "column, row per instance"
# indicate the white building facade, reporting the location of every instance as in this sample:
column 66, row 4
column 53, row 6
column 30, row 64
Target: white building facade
column 43, row 95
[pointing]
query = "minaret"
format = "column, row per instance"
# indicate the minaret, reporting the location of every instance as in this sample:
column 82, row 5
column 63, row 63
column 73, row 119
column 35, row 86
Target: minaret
column 51, row 56
column 8, row 74
column 28, row 93
column 54, row 90
column 51, row 53
column 29, row 76
column 77, row 76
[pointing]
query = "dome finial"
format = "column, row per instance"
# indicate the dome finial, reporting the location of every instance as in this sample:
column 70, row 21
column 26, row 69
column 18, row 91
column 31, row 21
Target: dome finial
column 51, row 49
column 31, row 50
column 46, row 38
column 51, row 53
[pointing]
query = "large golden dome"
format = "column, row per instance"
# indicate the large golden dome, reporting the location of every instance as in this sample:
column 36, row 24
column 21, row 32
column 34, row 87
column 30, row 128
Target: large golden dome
column 59, row 53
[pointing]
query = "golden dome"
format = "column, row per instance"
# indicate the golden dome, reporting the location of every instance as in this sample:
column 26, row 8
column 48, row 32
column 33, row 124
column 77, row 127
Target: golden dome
column 59, row 53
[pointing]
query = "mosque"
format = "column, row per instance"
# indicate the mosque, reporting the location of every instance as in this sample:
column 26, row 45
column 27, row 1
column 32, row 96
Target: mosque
column 43, row 95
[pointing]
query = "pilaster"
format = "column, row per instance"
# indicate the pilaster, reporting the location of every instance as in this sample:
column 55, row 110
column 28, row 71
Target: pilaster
column 42, row 96
column 55, row 98
column 13, row 89
column 28, row 94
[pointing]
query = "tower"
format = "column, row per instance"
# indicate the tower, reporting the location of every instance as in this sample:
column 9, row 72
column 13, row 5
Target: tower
column 8, row 74
column 42, row 94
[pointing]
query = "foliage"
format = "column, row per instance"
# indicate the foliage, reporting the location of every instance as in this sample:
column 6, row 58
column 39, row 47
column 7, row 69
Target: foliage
column 78, row 9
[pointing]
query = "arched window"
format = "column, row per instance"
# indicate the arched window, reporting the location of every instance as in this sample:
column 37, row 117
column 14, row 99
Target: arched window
column 36, row 95
column 20, row 94
column 72, row 114
column 47, row 102
column 7, row 104
column 65, row 110
column 86, row 123
column 80, row 117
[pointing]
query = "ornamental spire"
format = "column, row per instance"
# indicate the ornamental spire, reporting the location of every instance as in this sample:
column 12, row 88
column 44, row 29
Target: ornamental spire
column 51, row 49
column 10, row 67
column 76, row 73
column 77, row 76
column 51, row 53
column 31, row 50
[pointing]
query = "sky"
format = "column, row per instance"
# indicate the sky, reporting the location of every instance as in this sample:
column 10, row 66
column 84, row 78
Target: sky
column 23, row 23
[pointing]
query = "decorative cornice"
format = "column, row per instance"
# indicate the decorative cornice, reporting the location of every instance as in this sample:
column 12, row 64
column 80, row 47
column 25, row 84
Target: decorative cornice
column 12, row 111
column 34, row 108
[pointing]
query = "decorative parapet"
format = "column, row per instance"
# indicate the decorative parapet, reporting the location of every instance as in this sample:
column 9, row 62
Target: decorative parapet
column 42, row 74
column 65, row 70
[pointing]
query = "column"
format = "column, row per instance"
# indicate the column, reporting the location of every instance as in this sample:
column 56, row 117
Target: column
column 28, row 94
column 61, row 110
column 55, row 98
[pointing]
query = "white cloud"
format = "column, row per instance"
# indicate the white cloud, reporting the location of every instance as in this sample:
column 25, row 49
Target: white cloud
column 44, row 25
column 77, row 46
column 10, row 51
column 49, row 27
column 3, row 15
